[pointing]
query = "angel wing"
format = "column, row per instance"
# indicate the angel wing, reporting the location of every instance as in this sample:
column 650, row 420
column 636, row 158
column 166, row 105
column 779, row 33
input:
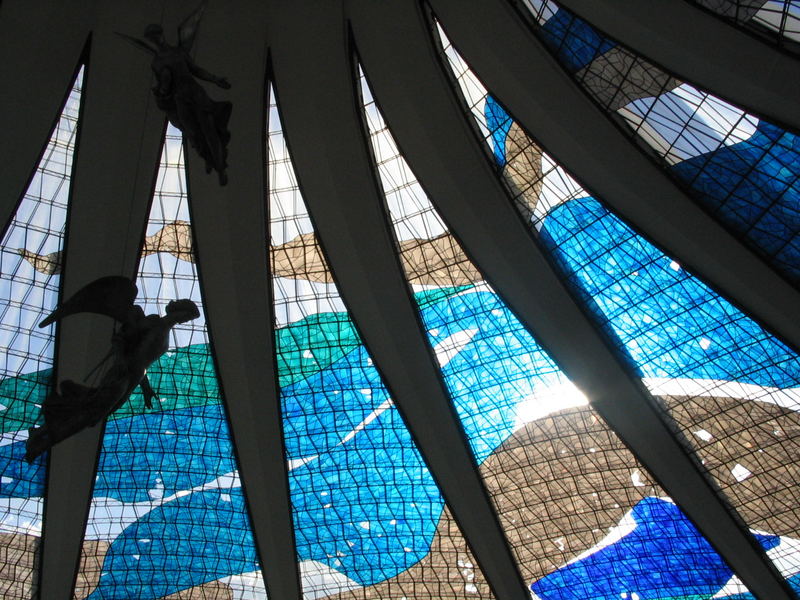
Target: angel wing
column 187, row 30
column 141, row 44
column 112, row 296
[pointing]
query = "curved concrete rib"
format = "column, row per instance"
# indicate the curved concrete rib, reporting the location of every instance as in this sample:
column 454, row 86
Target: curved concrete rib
column 231, row 223
column 417, row 100
column 111, row 191
column 324, row 128
column 35, row 86
column 510, row 61
column 735, row 65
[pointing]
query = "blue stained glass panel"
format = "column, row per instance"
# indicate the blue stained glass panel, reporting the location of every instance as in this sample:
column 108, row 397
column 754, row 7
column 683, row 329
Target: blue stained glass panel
column 657, row 310
column 658, row 534
column 369, row 518
column 753, row 186
column 574, row 41
column 729, row 385
column 515, row 406
column 741, row 169
column 168, row 512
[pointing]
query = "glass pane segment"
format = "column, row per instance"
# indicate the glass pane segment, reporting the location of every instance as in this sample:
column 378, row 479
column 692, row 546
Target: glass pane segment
column 582, row 516
column 742, row 169
column 168, row 513
column 30, row 265
column 733, row 389
column 369, row 518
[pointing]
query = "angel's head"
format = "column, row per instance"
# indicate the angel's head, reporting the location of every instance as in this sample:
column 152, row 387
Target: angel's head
column 154, row 33
column 183, row 310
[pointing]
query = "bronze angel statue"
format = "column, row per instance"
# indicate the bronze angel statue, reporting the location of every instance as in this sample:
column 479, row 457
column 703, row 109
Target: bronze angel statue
column 203, row 121
column 139, row 341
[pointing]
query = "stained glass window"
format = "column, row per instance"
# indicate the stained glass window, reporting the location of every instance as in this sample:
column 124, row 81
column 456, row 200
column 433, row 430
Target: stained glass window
column 583, row 518
column 742, row 169
column 729, row 385
column 30, row 265
column 570, row 497
column 168, row 512
column 369, row 518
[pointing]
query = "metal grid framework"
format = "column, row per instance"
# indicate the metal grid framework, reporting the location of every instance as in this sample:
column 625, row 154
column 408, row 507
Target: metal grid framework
column 740, row 168
column 777, row 21
column 581, row 515
column 168, row 511
column 29, row 279
column 727, row 384
column 560, row 479
column 369, row 518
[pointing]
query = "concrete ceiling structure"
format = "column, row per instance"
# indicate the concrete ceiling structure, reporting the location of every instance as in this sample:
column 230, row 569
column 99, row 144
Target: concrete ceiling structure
column 308, row 52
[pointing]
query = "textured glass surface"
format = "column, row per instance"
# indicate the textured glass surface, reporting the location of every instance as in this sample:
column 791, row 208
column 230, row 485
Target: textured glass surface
column 369, row 518
column 29, row 280
column 741, row 169
column 168, row 512
column 582, row 516
column 732, row 388
column 777, row 20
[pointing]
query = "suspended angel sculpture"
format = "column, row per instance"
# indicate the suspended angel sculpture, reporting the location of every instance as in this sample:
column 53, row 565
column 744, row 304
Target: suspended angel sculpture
column 204, row 122
column 140, row 341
